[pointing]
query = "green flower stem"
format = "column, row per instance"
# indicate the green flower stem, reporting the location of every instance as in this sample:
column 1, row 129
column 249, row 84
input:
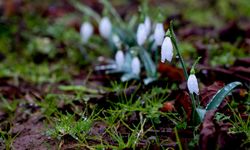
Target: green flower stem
column 174, row 41
column 192, row 69
column 112, row 10
column 177, row 138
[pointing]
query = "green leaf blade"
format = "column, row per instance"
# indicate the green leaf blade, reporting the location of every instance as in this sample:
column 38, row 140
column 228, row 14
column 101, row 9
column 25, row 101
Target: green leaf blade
column 148, row 63
column 221, row 94
column 201, row 114
column 129, row 76
column 86, row 10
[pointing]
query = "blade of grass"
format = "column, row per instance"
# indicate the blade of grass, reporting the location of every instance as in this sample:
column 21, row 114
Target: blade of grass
column 177, row 139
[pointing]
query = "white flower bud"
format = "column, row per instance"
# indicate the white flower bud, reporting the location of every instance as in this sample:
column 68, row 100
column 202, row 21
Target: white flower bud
column 192, row 84
column 86, row 31
column 141, row 35
column 166, row 50
column 147, row 24
column 105, row 27
column 119, row 59
column 159, row 34
column 136, row 66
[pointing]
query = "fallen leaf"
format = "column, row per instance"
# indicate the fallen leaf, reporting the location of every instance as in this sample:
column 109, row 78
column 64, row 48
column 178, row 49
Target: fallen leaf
column 231, row 32
column 226, row 74
column 172, row 73
column 215, row 135
column 183, row 101
column 208, row 132
column 168, row 106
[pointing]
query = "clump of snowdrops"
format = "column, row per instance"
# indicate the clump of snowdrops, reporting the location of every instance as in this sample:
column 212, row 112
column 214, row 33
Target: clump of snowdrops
column 142, row 44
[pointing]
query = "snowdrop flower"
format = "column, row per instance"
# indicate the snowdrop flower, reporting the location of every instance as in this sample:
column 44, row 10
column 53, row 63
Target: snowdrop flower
column 105, row 27
column 86, row 31
column 166, row 50
column 141, row 35
column 136, row 66
column 192, row 84
column 119, row 59
column 159, row 34
column 147, row 24
column 116, row 40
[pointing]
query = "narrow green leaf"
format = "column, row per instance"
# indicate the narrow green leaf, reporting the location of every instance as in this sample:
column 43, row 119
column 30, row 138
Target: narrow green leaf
column 148, row 63
column 129, row 76
column 126, row 35
column 112, row 10
column 149, row 80
column 86, row 10
column 78, row 88
column 106, row 67
column 127, row 64
column 221, row 94
column 132, row 22
column 201, row 113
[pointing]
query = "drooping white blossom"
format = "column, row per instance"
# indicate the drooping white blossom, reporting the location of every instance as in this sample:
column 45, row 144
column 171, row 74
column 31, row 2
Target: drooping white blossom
column 192, row 84
column 166, row 50
column 141, row 35
column 159, row 34
column 147, row 23
column 105, row 27
column 136, row 66
column 86, row 31
column 119, row 59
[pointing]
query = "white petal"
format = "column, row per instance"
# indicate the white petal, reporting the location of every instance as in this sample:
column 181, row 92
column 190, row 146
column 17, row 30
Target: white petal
column 141, row 35
column 147, row 24
column 136, row 66
column 105, row 27
column 166, row 50
column 86, row 31
column 119, row 59
column 159, row 34
column 192, row 84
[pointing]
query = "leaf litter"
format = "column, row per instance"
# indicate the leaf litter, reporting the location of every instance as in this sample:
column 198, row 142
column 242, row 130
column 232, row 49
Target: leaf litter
column 27, row 124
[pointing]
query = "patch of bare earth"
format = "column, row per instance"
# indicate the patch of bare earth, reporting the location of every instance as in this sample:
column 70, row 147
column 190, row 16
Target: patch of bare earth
column 31, row 135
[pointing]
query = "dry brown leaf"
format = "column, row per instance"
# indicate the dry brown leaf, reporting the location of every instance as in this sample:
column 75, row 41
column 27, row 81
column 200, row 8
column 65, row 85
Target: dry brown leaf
column 168, row 106
column 172, row 73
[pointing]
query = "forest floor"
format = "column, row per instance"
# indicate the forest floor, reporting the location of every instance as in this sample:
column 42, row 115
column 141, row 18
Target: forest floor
column 51, row 96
